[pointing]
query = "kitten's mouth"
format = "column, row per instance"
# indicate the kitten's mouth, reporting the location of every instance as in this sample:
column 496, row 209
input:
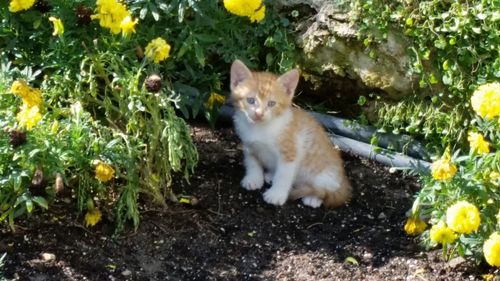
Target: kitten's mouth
column 257, row 119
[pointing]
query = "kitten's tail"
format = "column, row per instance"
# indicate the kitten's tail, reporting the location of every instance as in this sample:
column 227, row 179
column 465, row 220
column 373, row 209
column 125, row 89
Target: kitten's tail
column 330, row 198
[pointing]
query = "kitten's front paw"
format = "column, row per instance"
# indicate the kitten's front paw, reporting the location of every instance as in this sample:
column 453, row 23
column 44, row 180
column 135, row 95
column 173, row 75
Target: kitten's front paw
column 268, row 178
column 252, row 182
column 276, row 196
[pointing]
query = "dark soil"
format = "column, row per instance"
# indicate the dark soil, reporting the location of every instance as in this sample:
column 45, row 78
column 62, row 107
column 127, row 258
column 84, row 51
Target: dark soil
column 232, row 234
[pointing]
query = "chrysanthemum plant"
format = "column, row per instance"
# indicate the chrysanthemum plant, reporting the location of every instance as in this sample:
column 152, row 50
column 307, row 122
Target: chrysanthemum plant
column 460, row 198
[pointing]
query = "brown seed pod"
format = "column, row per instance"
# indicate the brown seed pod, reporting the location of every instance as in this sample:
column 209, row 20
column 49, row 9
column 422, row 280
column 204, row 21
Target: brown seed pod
column 42, row 6
column 17, row 138
column 38, row 183
column 59, row 186
column 153, row 83
column 83, row 15
column 139, row 53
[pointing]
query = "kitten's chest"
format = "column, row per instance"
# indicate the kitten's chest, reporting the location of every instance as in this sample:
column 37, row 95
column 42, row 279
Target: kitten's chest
column 262, row 141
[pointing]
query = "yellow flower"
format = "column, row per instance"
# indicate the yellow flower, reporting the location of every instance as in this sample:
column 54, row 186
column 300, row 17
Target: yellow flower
column 478, row 144
column 214, row 98
column 31, row 97
column 28, row 116
column 58, row 26
column 443, row 169
column 111, row 14
column 486, row 100
column 258, row 15
column 463, row 217
column 157, row 50
column 491, row 249
column 92, row 217
column 19, row 5
column 442, row 234
column 415, row 226
column 18, row 87
column 253, row 9
column 128, row 25
column 104, row 172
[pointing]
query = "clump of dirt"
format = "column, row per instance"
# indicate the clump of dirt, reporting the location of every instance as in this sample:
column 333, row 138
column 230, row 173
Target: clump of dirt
column 232, row 234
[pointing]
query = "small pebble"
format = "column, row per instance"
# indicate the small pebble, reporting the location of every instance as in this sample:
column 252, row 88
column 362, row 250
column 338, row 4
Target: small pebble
column 126, row 272
column 48, row 256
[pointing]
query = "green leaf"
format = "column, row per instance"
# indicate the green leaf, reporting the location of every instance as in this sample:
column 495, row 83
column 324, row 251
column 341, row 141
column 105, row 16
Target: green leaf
column 351, row 260
column 446, row 65
column 29, row 206
column 200, row 57
column 361, row 100
column 447, row 79
column 20, row 200
column 440, row 43
column 432, row 79
column 41, row 202
column 34, row 152
column 143, row 12
column 154, row 12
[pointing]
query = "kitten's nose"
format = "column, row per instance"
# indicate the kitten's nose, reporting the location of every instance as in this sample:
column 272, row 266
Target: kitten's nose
column 258, row 114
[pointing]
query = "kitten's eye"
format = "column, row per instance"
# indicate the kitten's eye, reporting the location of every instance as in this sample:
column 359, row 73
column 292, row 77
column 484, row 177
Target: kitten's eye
column 271, row 103
column 251, row 100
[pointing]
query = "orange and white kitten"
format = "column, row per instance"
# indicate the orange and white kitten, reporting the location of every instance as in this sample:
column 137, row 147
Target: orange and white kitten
column 282, row 144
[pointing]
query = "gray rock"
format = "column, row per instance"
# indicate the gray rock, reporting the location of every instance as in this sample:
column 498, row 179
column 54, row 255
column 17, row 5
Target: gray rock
column 331, row 48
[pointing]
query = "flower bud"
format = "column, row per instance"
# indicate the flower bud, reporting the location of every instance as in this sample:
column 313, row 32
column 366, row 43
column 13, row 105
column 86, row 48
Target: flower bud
column 153, row 83
column 17, row 138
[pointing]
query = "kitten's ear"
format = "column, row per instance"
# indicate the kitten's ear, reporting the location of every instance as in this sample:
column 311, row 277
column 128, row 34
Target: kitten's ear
column 290, row 80
column 239, row 73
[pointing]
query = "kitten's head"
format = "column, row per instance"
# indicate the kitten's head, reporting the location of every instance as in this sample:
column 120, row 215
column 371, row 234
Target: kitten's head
column 261, row 95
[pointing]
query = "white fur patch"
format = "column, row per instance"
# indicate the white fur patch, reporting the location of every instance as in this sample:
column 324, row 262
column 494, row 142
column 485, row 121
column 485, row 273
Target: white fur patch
column 328, row 179
column 252, row 181
column 282, row 183
column 312, row 201
column 261, row 138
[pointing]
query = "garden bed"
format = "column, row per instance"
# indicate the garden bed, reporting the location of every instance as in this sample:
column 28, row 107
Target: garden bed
column 231, row 234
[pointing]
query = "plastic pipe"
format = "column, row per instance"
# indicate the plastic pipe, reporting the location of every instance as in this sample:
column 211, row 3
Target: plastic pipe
column 354, row 140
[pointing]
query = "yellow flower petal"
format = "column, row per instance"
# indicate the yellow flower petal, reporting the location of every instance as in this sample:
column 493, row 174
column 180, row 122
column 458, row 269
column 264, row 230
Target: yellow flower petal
column 486, row 100
column 92, row 217
column 157, row 50
column 463, row 217
column 104, row 172
column 214, row 99
column 478, row 144
column 443, row 169
column 442, row 234
column 58, row 26
column 253, row 9
column 19, row 5
column 128, row 25
column 28, row 116
column 31, row 96
column 111, row 14
column 414, row 226
column 491, row 249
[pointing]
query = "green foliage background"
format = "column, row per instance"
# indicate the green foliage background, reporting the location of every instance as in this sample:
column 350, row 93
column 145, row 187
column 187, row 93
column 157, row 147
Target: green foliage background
column 119, row 121
column 455, row 47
